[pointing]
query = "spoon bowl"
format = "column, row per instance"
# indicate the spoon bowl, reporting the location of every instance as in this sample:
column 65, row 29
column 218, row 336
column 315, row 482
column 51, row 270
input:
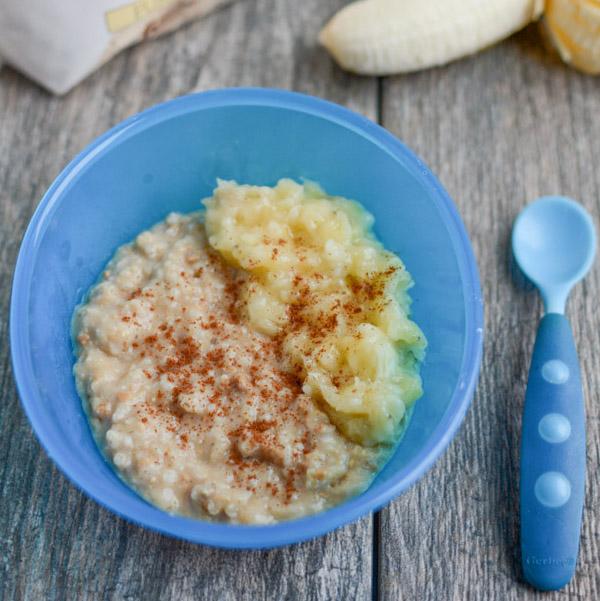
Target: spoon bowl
column 554, row 243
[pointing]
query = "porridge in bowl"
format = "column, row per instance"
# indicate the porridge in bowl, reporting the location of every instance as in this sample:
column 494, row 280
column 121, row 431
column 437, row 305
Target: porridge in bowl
column 254, row 362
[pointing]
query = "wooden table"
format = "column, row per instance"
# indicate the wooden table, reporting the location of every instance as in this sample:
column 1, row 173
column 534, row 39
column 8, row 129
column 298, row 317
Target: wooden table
column 499, row 129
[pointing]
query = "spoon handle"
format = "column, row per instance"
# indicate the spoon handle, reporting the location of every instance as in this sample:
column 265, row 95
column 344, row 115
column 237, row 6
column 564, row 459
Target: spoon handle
column 552, row 458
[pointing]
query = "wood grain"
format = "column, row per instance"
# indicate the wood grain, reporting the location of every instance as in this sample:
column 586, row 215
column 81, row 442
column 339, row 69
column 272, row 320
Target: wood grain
column 499, row 129
column 54, row 542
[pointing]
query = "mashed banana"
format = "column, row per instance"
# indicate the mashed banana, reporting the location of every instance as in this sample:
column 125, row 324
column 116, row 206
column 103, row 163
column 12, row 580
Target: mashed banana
column 317, row 279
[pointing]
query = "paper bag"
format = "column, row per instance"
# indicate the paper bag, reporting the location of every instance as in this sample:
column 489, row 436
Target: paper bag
column 59, row 42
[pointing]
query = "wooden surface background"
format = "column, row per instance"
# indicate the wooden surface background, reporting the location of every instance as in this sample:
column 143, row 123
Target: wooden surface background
column 499, row 129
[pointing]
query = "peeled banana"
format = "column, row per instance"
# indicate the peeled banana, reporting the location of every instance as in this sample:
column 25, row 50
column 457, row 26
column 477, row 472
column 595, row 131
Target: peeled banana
column 381, row 37
column 573, row 26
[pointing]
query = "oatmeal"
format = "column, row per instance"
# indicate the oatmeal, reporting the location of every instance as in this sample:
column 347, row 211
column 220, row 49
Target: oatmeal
column 208, row 384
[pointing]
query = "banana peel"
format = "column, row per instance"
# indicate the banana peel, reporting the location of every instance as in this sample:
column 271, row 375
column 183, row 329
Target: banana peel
column 573, row 27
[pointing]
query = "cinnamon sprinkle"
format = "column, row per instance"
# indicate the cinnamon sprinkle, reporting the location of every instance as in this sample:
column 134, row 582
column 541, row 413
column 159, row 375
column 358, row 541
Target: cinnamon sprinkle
column 225, row 384
column 199, row 385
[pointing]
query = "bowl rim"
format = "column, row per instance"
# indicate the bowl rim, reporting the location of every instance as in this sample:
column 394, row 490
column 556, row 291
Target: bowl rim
column 239, row 536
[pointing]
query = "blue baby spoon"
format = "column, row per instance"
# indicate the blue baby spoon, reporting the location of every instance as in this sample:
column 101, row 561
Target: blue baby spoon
column 554, row 243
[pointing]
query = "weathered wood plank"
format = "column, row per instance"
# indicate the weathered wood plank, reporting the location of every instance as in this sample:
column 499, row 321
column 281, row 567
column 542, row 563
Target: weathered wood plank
column 54, row 542
column 499, row 129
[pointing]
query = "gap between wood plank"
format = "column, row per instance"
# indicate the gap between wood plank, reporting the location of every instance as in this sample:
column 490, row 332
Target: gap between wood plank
column 375, row 558
column 379, row 100
column 375, row 562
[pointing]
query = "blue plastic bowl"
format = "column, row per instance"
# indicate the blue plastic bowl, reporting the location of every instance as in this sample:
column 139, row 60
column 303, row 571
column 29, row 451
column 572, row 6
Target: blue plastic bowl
column 168, row 158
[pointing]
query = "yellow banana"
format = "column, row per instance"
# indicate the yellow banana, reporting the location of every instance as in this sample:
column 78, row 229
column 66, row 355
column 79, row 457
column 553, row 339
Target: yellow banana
column 381, row 37
column 573, row 26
